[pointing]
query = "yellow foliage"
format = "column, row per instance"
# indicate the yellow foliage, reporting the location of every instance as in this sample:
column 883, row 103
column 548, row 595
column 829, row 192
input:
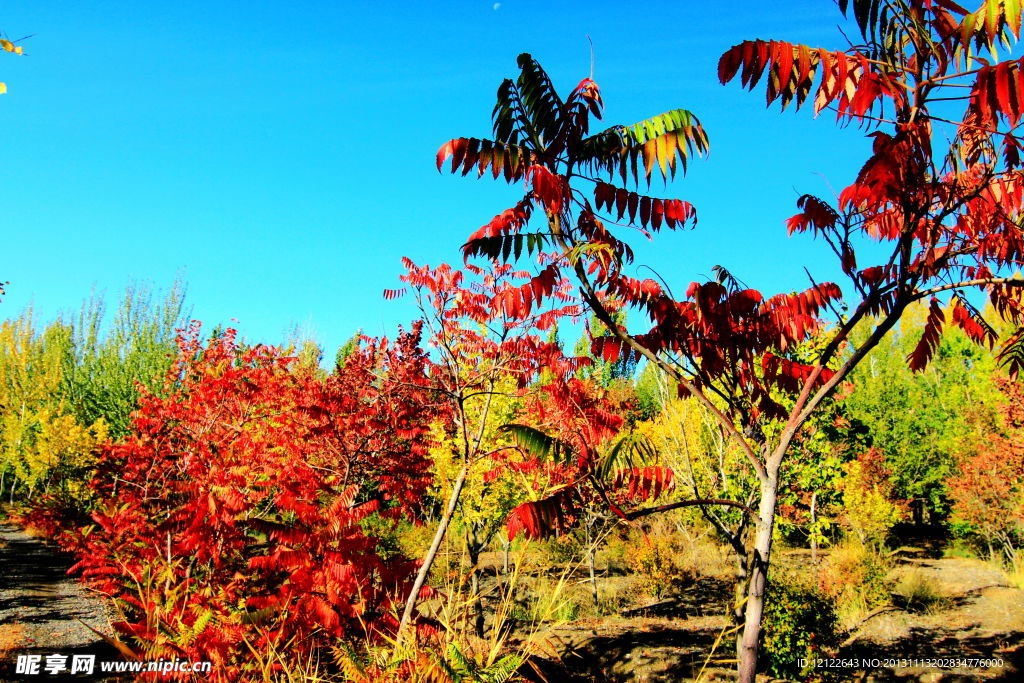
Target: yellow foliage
column 702, row 459
column 485, row 501
column 59, row 443
column 869, row 510
column 38, row 438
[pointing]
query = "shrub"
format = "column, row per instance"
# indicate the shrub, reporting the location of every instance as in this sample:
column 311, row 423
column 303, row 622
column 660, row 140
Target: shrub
column 235, row 517
column 854, row 578
column 799, row 623
column 1015, row 572
column 563, row 550
column 657, row 560
column 916, row 592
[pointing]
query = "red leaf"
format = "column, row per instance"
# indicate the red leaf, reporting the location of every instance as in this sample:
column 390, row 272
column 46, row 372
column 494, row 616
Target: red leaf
column 924, row 351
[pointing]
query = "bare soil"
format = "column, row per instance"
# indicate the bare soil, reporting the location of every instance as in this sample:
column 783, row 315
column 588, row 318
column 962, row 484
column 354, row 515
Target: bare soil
column 678, row 638
column 42, row 609
column 981, row 617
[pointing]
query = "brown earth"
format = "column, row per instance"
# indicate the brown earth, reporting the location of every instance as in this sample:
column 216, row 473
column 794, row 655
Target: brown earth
column 980, row 617
column 43, row 611
column 681, row 638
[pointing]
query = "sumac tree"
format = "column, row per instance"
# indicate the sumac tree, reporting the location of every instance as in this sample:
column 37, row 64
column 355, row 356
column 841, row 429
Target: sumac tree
column 229, row 517
column 483, row 344
column 948, row 220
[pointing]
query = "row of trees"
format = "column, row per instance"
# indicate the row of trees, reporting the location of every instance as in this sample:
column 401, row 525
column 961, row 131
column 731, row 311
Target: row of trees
column 68, row 386
column 250, row 498
column 253, row 492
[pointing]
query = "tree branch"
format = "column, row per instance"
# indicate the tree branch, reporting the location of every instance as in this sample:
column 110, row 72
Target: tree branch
column 637, row 514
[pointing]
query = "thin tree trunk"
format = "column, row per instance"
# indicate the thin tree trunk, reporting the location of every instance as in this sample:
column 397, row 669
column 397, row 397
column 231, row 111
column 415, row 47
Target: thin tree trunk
column 428, row 560
column 814, row 529
column 748, row 645
column 504, row 566
column 591, row 551
column 739, row 600
column 474, row 548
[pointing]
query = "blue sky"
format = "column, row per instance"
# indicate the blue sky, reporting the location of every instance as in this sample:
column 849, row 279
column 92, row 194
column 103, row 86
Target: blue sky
column 281, row 154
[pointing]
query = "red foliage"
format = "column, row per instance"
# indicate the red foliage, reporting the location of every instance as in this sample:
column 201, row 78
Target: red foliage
column 238, row 496
column 988, row 492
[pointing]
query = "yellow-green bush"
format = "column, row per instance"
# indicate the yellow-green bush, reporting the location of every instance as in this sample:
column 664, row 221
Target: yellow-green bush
column 658, row 562
column 854, row 577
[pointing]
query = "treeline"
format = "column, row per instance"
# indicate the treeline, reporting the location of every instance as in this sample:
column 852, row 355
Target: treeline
column 73, row 383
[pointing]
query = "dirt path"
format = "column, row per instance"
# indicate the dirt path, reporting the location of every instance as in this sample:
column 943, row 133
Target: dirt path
column 981, row 618
column 40, row 606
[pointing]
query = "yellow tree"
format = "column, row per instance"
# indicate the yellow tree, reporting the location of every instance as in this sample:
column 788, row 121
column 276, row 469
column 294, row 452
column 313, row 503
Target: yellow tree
column 40, row 441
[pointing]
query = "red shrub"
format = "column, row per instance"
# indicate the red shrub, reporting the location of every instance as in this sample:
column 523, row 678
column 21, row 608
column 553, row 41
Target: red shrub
column 229, row 517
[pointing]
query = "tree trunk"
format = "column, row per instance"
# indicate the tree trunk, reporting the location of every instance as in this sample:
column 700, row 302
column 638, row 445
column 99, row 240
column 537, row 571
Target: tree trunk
column 591, row 552
column 428, row 560
column 504, row 566
column 739, row 602
column 748, row 645
column 814, row 530
column 473, row 547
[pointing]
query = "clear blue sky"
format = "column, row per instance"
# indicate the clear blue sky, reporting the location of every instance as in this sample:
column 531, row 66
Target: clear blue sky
column 281, row 154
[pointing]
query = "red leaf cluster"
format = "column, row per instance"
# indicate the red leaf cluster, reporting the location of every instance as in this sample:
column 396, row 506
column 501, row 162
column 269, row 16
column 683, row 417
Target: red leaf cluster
column 998, row 91
column 230, row 517
column 652, row 212
column 644, row 483
column 793, row 69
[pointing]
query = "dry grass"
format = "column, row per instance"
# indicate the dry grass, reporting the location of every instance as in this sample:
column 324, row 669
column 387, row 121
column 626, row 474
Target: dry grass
column 11, row 636
column 854, row 576
column 917, row 592
column 1015, row 571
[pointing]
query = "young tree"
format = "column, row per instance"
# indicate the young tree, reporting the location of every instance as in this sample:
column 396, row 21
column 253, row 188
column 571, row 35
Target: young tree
column 109, row 361
column 949, row 219
column 43, row 448
column 479, row 344
column 486, row 500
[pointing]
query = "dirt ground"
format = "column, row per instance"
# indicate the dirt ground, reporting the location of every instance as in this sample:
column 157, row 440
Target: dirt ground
column 981, row 617
column 674, row 639
column 42, row 609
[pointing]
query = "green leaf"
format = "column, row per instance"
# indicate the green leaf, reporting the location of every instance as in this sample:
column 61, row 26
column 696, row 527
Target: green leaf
column 541, row 101
column 660, row 141
column 500, row 247
column 536, row 443
column 629, row 450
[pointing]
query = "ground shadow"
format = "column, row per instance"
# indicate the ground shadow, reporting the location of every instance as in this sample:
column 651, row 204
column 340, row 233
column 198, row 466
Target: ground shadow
column 932, row 644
